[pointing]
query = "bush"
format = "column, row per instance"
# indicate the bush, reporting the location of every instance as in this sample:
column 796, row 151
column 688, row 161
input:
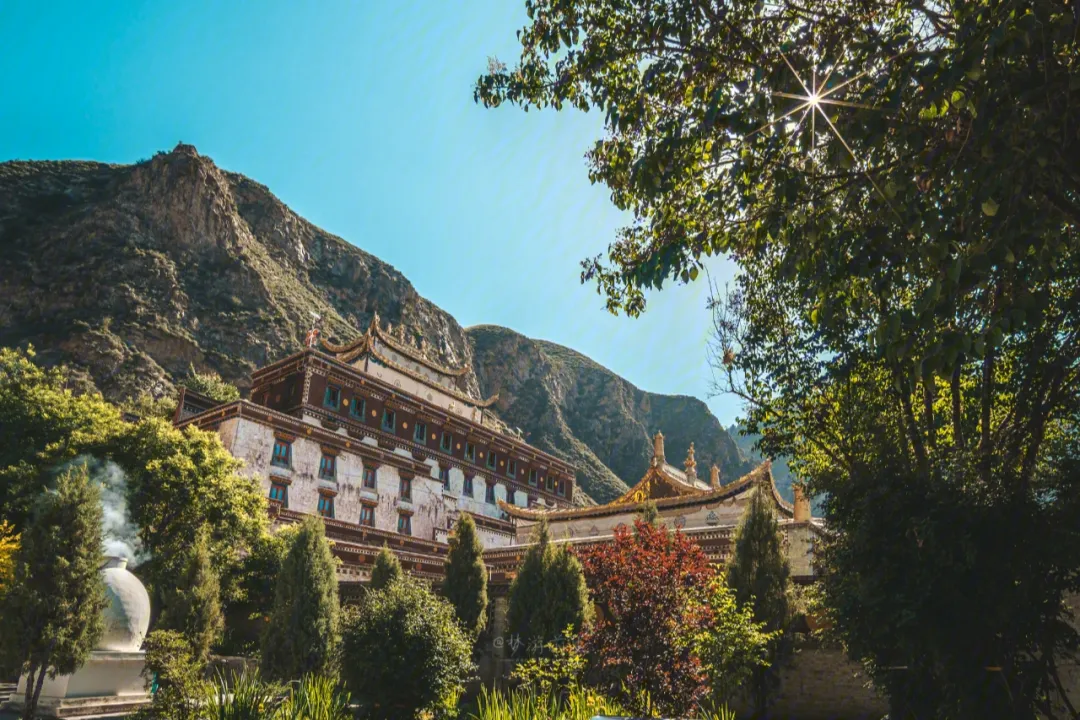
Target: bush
column 303, row 632
column 210, row 385
column 315, row 697
column 466, row 576
column 386, row 569
column 194, row 609
column 174, row 676
column 404, row 652
column 244, row 696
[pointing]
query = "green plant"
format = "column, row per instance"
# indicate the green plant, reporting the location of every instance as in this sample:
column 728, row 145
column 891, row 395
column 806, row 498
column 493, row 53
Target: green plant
column 386, row 569
column 53, row 610
column 315, row 697
column 211, row 385
column 547, row 595
column 559, row 669
column 241, row 696
column 303, row 631
column 194, row 607
column 758, row 576
column 404, row 652
column 174, row 676
column 527, row 704
column 466, row 576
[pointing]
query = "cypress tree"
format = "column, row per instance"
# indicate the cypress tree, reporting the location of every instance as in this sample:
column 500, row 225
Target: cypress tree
column 386, row 569
column 194, row 608
column 649, row 512
column 548, row 595
column 304, row 625
column 758, row 575
column 53, row 611
column 466, row 576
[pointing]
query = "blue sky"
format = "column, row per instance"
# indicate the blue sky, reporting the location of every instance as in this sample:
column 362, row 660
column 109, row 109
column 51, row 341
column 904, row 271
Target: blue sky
column 359, row 116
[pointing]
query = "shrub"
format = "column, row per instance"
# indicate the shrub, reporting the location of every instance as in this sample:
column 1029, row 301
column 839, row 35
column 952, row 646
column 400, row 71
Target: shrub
column 649, row 586
column 211, row 385
column 404, row 652
column 466, row 576
column 528, row 704
column 547, row 596
column 244, row 696
column 174, row 676
column 315, row 697
column 303, row 632
column 194, row 608
column 558, row 670
column 385, row 570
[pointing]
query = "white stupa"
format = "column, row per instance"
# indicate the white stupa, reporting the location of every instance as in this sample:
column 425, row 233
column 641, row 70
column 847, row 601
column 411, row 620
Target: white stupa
column 111, row 682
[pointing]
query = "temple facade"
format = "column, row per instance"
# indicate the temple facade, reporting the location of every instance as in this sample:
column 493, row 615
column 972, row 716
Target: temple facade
column 387, row 445
column 706, row 511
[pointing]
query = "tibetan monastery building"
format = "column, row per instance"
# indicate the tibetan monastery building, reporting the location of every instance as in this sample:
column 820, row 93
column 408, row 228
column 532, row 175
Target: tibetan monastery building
column 389, row 446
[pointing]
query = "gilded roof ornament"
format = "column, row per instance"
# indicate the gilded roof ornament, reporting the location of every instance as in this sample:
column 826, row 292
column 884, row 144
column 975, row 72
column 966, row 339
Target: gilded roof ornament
column 690, row 464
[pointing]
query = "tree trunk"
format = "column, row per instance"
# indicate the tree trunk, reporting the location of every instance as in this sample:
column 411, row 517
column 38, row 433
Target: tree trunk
column 29, row 699
column 37, row 690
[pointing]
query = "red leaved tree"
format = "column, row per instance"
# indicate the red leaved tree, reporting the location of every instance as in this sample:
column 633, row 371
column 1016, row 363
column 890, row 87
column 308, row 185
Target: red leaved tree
column 648, row 587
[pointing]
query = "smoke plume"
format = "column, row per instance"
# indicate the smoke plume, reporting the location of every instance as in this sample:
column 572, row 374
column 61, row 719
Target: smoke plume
column 121, row 537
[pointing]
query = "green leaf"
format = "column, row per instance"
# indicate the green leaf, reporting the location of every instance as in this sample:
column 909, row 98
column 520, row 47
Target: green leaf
column 989, row 207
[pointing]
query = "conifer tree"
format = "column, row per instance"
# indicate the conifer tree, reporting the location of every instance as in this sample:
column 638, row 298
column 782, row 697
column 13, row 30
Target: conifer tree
column 194, row 608
column 758, row 575
column 649, row 513
column 53, row 611
column 548, row 595
column 304, row 626
column 386, row 569
column 466, row 576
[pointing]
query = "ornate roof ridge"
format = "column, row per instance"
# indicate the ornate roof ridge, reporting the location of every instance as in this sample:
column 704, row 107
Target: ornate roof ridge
column 413, row 353
column 464, row 397
column 757, row 474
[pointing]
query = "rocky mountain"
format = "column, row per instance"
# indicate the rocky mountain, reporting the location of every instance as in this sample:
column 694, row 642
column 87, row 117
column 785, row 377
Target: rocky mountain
column 781, row 472
column 131, row 274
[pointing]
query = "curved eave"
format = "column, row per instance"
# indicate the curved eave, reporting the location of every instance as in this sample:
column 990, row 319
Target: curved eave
column 412, row 354
column 741, row 485
column 482, row 404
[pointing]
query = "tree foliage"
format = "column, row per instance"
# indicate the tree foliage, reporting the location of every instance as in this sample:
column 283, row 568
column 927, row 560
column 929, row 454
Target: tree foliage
column 733, row 646
column 386, row 569
column 194, row 609
column 904, row 323
column 466, row 576
column 758, row 575
column 175, row 675
column 304, row 628
column 9, row 545
column 254, row 582
column 53, row 611
column 210, row 385
column 547, row 596
column 649, row 586
column 404, row 652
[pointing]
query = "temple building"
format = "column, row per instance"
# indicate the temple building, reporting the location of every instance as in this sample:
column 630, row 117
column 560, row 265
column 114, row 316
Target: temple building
column 706, row 511
column 389, row 446
column 386, row 444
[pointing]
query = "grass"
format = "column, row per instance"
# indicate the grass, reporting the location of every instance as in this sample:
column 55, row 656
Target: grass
column 578, row 704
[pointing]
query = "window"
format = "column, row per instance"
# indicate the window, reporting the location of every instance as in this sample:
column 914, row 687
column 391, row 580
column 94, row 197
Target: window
column 491, row 460
column 388, row 420
column 404, row 524
column 550, row 484
column 532, row 478
column 444, row 476
column 326, row 506
column 280, row 493
column 406, row 489
column 367, row 515
column 327, row 467
column 282, row 454
column 369, row 478
column 332, row 397
column 470, row 451
column 420, row 433
column 561, row 487
column 467, row 487
column 447, row 442
column 511, row 468
column 357, row 408
column 489, row 494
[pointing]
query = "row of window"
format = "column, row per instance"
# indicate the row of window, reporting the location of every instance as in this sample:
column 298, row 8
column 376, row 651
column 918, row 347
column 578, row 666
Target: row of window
column 282, row 457
column 357, row 408
column 325, row 508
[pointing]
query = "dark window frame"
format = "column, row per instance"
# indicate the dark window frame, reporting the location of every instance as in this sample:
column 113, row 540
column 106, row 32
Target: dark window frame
column 336, row 404
column 372, row 473
column 446, row 444
column 470, row 451
column 284, row 499
column 367, row 515
column 420, row 433
column 405, row 489
column 511, row 468
column 358, row 402
column 489, row 493
column 467, row 486
column 275, row 458
column 491, row 460
column 328, row 461
column 387, row 413
column 404, row 524
column 325, row 507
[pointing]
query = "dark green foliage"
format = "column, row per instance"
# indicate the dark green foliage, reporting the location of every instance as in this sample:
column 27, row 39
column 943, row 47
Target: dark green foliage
column 758, row 575
column 210, row 385
column 254, row 582
column 303, row 632
column 466, row 576
column 404, row 652
column 547, row 596
column 174, row 674
column 194, row 607
column 649, row 513
column 52, row 613
column 385, row 570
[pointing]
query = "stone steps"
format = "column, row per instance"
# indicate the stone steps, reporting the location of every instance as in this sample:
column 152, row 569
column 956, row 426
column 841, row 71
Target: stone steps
column 6, row 691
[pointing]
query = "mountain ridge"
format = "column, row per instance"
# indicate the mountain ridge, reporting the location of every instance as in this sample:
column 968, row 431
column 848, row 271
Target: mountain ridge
column 131, row 274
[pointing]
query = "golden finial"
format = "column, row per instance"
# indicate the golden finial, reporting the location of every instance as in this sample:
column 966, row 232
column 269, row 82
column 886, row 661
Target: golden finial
column 690, row 464
column 658, row 448
column 714, row 477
